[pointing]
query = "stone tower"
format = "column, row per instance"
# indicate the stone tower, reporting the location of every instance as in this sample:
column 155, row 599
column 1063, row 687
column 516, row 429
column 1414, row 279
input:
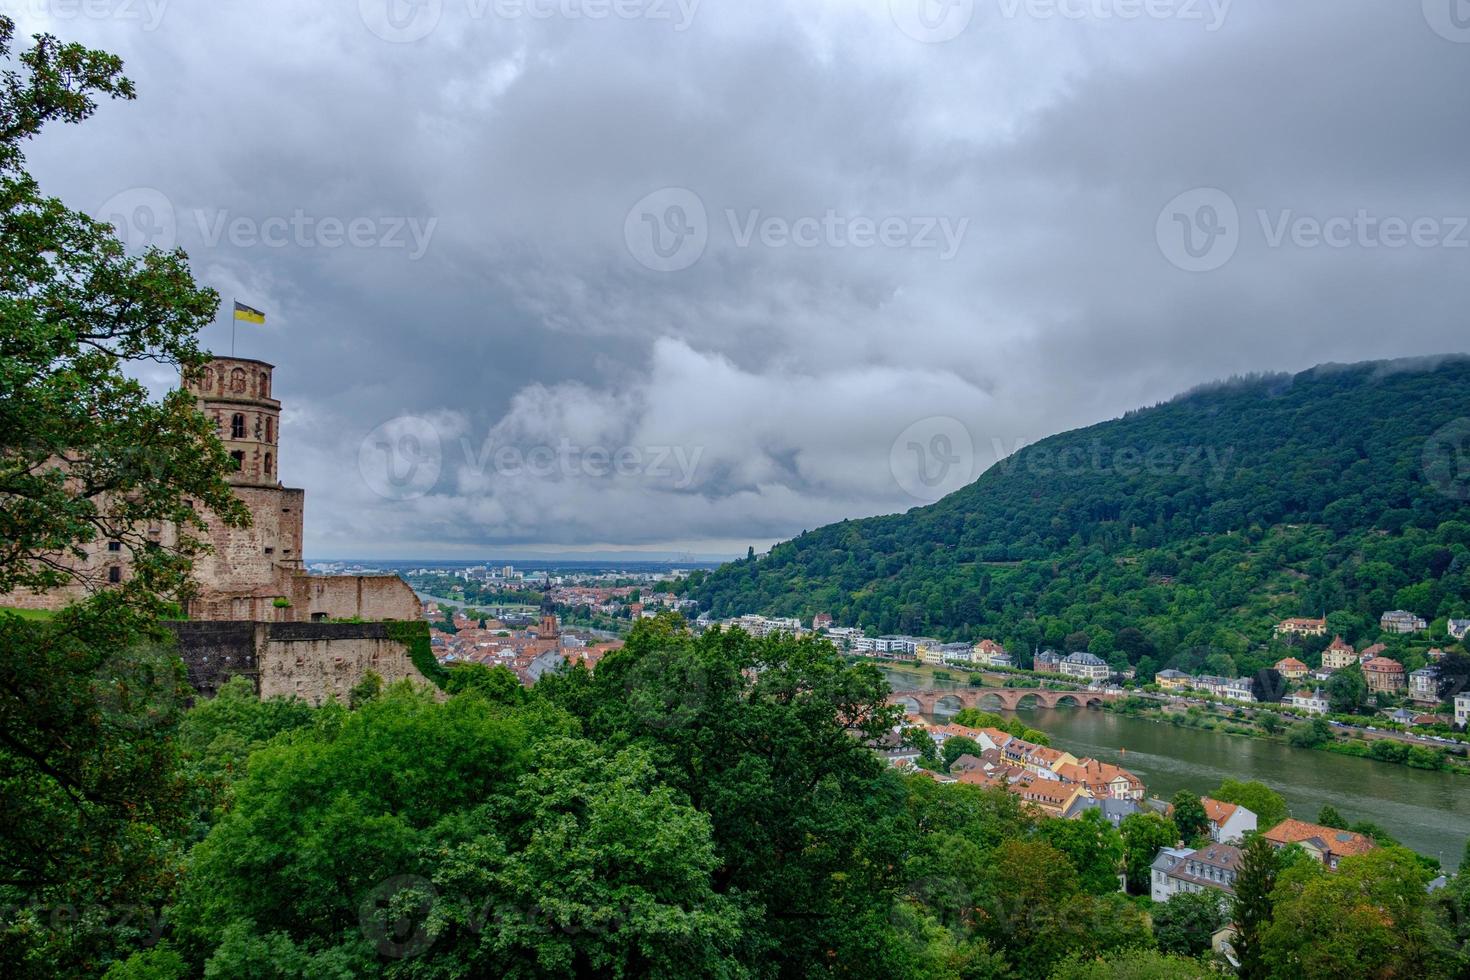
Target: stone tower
column 236, row 393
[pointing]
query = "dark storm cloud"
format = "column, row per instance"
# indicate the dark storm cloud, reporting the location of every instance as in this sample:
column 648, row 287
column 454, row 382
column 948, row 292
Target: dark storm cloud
column 659, row 275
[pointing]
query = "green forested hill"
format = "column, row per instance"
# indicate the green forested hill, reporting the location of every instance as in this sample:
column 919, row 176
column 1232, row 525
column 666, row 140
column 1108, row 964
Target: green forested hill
column 1179, row 532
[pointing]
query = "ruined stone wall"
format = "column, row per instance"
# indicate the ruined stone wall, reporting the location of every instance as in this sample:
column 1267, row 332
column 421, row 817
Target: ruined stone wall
column 371, row 597
column 312, row 661
column 317, row 661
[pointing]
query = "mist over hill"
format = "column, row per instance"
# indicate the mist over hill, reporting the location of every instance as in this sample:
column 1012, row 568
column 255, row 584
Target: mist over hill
column 1197, row 522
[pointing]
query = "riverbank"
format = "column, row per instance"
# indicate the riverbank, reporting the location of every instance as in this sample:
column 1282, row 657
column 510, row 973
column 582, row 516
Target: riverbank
column 1300, row 733
column 1428, row 811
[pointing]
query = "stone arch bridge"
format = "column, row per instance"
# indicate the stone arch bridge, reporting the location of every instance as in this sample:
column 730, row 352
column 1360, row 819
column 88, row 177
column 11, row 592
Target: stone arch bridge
column 990, row 698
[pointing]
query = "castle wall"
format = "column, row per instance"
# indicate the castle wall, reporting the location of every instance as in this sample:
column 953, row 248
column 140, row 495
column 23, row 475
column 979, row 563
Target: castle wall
column 373, row 597
column 312, row 661
column 215, row 652
column 317, row 661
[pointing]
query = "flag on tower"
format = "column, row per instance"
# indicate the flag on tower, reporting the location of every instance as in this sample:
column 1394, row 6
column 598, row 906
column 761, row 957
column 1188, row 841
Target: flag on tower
column 248, row 313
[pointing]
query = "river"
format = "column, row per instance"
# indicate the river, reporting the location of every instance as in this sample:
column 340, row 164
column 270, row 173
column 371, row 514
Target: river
column 1427, row 811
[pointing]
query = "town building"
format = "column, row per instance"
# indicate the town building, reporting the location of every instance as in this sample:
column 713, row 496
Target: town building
column 1173, row 680
column 1327, row 844
column 1314, row 701
column 821, row 621
column 1228, row 821
column 1368, row 653
column 1048, row 662
column 1176, row 871
column 1339, row 655
column 1291, row 668
column 1424, row 685
column 1115, row 811
column 1232, row 688
column 1384, row 675
column 988, row 653
column 1086, row 666
column 1462, row 710
column 1301, row 627
column 1401, row 621
column 1103, row 780
column 1458, row 628
column 1053, row 799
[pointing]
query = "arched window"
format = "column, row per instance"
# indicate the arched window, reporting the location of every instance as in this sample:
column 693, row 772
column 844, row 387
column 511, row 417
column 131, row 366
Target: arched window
column 237, row 426
column 265, row 385
column 270, row 429
column 267, row 462
column 237, row 379
column 208, row 382
column 238, row 456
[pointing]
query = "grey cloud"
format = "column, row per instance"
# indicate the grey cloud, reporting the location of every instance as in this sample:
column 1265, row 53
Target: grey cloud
column 791, row 370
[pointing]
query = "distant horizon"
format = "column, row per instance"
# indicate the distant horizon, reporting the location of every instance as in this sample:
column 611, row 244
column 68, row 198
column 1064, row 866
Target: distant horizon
column 564, row 558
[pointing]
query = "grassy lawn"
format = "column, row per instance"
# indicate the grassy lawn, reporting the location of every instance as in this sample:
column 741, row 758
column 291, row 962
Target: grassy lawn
column 28, row 613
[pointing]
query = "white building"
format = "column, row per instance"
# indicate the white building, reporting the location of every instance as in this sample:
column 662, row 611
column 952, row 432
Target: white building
column 1228, row 821
column 1462, row 709
column 1459, row 627
column 1315, row 701
column 1234, row 688
column 1088, row 666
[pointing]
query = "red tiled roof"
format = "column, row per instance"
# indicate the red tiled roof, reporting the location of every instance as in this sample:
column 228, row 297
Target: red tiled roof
column 1339, row 842
column 1217, row 811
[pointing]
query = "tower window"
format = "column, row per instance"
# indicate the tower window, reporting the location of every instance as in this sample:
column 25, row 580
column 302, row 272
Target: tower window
column 114, row 574
column 237, row 380
column 239, row 457
column 237, row 426
column 267, row 462
column 114, row 546
column 270, row 430
column 265, row 385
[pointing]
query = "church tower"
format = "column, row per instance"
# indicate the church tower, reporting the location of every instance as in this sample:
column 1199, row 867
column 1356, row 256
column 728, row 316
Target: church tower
column 548, row 629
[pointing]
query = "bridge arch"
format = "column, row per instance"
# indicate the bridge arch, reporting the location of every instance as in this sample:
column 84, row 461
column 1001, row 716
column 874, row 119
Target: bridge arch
column 908, row 702
column 949, row 702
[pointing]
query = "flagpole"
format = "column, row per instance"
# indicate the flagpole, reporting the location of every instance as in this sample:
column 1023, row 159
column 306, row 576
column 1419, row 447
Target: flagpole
column 233, row 320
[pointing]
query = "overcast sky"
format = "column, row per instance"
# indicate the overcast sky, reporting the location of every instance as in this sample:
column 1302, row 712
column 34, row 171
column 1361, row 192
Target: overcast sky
column 687, row 276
